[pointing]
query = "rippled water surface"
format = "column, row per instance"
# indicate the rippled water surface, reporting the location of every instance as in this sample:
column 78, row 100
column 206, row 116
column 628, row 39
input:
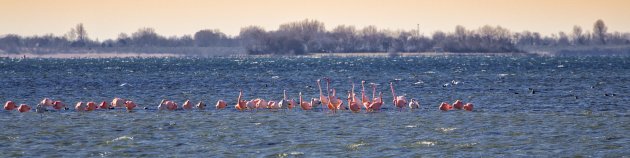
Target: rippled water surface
column 524, row 106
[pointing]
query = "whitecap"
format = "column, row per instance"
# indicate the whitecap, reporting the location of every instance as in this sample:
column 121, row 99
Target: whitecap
column 122, row 138
column 275, row 77
column 427, row 143
column 446, row 130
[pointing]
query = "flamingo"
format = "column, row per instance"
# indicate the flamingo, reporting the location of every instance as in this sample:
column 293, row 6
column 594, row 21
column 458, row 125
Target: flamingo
column 458, row 104
column 468, row 107
column 57, row 105
column 445, row 106
column 171, row 105
column 240, row 103
column 291, row 103
column 162, row 105
column 187, row 105
column 103, row 105
column 90, row 106
column 334, row 101
column 221, row 104
column 201, row 105
column 273, row 105
column 413, row 104
column 262, row 104
column 399, row 101
column 315, row 102
column 130, row 105
column 323, row 99
column 352, row 101
column 9, row 105
column 284, row 103
column 251, row 104
column 256, row 103
column 305, row 105
column 377, row 102
column 365, row 101
column 118, row 103
column 46, row 102
column 80, row 106
column 24, row 108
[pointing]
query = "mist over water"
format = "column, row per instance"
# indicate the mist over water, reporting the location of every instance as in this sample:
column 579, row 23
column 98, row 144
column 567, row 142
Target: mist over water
column 524, row 106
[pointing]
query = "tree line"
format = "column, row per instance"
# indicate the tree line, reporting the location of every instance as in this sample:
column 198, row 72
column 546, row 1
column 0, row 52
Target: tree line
column 311, row 36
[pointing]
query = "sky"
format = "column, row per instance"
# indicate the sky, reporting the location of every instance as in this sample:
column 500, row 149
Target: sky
column 105, row 19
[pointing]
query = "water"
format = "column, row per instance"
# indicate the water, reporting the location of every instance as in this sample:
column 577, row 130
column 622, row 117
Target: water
column 579, row 107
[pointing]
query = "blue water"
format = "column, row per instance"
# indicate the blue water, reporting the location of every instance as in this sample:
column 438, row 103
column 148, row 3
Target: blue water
column 579, row 107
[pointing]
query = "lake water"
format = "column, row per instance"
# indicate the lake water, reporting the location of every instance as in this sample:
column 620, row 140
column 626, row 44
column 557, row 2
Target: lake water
column 524, row 106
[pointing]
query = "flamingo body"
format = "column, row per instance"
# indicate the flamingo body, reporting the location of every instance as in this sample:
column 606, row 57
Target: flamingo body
column 24, row 108
column 9, row 105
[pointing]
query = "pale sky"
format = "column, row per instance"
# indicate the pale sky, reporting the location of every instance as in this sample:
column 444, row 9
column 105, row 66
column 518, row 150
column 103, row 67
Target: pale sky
column 105, row 19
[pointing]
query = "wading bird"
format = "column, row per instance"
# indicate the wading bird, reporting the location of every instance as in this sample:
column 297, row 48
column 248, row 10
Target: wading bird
column 468, row 107
column 187, row 105
column 458, row 104
column 9, row 105
column 445, row 106
column 240, row 103
column 399, row 101
column 221, row 104
column 24, row 108
column 305, row 105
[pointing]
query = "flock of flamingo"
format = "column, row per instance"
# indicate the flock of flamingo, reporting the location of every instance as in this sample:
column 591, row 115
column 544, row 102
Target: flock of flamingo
column 332, row 102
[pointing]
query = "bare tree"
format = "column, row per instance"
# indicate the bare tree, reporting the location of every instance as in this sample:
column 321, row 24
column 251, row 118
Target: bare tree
column 599, row 31
column 578, row 36
column 82, row 35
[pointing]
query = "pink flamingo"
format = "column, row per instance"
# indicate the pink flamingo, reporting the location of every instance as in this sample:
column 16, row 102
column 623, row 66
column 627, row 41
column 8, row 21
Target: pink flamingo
column 118, row 103
column 458, row 104
column 170, row 105
column 468, row 107
column 24, row 108
column 399, row 101
column 57, row 105
column 130, row 105
column 9, row 105
column 46, row 102
column 445, row 106
column 221, row 104
column 336, row 103
column 286, row 102
column 240, row 103
column 273, row 105
column 103, row 105
column 187, row 105
column 80, row 106
column 323, row 99
column 90, row 106
column 352, row 101
column 162, row 105
column 305, row 105
column 262, row 104
column 251, row 104
column 377, row 103
column 365, row 101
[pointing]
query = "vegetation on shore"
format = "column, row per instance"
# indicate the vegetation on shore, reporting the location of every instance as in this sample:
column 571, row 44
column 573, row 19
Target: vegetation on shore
column 311, row 36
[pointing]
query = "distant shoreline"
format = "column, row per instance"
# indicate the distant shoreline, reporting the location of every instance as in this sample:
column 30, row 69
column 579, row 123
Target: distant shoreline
column 316, row 55
column 597, row 51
